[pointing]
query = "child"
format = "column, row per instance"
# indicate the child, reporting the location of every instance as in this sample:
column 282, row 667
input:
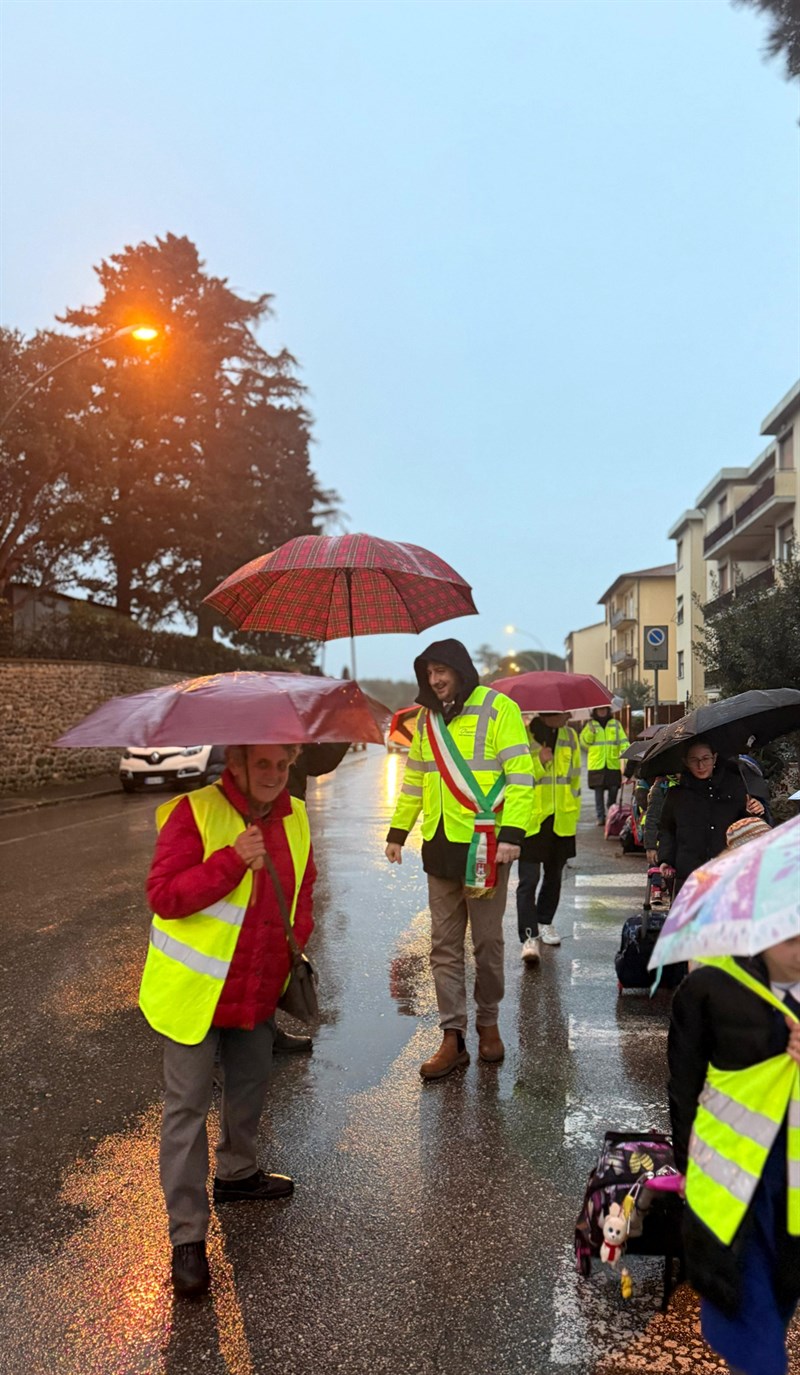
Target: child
column 734, row 1088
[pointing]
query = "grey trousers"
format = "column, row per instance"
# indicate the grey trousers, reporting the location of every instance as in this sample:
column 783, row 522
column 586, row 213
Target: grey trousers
column 246, row 1059
column 451, row 909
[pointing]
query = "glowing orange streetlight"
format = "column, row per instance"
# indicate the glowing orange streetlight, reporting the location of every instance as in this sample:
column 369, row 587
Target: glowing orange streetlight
column 144, row 333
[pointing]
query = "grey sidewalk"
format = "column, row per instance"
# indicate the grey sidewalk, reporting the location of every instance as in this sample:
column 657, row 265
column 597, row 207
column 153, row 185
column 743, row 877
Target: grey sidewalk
column 99, row 785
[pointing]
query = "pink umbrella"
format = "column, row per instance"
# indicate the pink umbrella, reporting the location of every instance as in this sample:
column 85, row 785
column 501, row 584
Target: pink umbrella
column 553, row 691
column 236, row 709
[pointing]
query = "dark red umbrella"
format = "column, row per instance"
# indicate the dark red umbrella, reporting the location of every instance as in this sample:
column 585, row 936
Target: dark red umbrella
column 242, row 708
column 552, row 691
column 330, row 587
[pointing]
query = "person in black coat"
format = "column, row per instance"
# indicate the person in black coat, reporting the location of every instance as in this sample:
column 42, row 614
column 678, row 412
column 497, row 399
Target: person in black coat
column 751, row 1287
column 697, row 813
column 312, row 762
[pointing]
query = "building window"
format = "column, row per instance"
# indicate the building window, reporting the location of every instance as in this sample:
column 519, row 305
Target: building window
column 786, row 451
column 680, row 663
column 723, row 577
column 722, row 509
column 679, row 553
column 785, row 542
column 679, row 611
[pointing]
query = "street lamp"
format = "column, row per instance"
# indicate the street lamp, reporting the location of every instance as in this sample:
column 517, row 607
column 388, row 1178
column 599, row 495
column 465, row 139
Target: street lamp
column 515, row 630
column 144, row 333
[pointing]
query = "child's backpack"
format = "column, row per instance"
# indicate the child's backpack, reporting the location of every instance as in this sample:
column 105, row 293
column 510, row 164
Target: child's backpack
column 625, row 1164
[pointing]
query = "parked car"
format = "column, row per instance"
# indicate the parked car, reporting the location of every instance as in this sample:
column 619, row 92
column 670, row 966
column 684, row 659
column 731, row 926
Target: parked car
column 180, row 766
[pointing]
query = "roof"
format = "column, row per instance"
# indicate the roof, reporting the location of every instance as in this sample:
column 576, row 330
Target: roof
column 720, row 480
column 664, row 570
column 596, row 625
column 682, row 522
column 783, row 412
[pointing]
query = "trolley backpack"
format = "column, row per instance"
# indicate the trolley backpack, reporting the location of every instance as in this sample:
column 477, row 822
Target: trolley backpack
column 625, row 1164
column 639, row 935
column 618, row 814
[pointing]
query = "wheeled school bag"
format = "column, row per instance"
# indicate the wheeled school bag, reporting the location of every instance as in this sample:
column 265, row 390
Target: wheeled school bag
column 626, row 1163
column 639, row 935
column 618, row 814
column 631, row 838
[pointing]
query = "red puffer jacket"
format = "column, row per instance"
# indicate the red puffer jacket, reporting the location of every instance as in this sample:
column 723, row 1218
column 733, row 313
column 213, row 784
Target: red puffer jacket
column 180, row 882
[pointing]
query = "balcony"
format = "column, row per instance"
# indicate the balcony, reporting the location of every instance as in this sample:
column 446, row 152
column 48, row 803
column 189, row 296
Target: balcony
column 623, row 658
column 764, row 578
column 621, row 619
column 743, row 532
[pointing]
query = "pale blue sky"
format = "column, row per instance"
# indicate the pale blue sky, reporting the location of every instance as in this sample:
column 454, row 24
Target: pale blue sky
column 539, row 261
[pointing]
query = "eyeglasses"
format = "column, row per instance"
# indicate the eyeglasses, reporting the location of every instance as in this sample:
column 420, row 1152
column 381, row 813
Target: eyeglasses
column 701, row 759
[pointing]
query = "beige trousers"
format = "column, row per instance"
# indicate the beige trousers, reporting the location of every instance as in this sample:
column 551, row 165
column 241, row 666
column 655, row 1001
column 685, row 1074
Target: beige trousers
column 450, row 911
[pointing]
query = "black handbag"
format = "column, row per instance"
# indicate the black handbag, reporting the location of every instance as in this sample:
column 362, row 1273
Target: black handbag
column 299, row 998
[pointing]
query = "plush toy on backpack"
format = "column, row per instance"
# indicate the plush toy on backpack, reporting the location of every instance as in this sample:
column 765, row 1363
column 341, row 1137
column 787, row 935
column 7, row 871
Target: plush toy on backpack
column 615, row 1234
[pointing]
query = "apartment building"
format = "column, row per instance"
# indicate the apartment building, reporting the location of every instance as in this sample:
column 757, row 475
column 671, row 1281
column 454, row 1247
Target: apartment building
column 741, row 528
column 634, row 600
column 585, row 650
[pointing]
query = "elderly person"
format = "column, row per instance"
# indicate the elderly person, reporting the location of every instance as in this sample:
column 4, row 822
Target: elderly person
column 710, row 796
column 217, row 963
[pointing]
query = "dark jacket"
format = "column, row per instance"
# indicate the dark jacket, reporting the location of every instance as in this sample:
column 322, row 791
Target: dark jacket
column 695, row 816
column 716, row 1020
column 311, row 762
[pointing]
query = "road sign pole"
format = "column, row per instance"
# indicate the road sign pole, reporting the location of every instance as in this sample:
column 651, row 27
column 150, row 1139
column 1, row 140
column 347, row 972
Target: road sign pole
column 655, row 694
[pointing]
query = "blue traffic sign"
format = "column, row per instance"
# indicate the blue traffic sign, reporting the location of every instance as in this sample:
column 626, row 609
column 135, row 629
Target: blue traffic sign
column 656, row 636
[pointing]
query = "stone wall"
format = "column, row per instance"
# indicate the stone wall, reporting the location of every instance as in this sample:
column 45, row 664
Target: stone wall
column 42, row 698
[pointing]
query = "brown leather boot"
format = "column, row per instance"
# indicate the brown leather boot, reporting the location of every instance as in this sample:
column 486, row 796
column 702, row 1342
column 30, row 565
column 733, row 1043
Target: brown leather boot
column 447, row 1058
column 490, row 1047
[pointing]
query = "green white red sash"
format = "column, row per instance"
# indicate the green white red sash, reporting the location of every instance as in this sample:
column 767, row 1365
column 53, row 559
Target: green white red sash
column 481, row 873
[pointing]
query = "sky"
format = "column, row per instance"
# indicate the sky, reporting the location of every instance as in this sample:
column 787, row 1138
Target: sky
column 538, row 261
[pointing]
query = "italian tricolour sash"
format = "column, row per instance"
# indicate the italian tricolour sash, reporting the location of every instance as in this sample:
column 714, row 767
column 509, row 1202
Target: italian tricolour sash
column 481, row 875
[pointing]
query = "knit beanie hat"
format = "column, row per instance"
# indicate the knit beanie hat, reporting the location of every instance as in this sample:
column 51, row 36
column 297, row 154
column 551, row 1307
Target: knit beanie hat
column 747, row 829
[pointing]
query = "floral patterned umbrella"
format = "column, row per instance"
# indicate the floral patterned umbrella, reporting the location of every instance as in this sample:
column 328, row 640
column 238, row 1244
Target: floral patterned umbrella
column 739, row 904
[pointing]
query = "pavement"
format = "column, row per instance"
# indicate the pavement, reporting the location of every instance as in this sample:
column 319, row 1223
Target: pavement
column 431, row 1228
column 54, row 794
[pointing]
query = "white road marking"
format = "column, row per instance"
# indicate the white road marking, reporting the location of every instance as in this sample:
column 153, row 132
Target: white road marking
column 582, row 1033
column 583, row 973
column 42, row 835
column 585, row 1123
column 611, row 880
column 595, row 930
column 610, row 901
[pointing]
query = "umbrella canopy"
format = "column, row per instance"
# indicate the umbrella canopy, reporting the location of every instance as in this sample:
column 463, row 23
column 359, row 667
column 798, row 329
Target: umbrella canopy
column 552, row 691
column 328, row 587
column 727, row 726
column 236, row 709
column 401, row 729
column 738, row 904
column 641, row 744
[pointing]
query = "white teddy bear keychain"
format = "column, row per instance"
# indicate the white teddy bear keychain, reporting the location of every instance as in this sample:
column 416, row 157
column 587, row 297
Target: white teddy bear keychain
column 615, row 1234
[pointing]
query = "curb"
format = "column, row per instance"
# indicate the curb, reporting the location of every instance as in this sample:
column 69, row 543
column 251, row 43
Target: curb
column 10, row 808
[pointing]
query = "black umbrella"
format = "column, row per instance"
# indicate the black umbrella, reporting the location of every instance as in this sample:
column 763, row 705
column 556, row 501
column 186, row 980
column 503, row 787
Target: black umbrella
column 731, row 727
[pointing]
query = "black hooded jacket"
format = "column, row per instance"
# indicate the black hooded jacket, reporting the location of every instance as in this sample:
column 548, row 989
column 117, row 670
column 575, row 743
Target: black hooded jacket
column 716, row 1020
column 695, row 816
column 441, row 857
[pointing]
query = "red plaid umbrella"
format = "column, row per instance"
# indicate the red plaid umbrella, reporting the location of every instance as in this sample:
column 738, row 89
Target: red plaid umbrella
column 554, row 691
column 329, row 587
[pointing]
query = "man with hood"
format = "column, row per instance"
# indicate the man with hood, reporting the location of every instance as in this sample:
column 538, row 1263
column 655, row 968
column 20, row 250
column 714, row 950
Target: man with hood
column 469, row 771
column 604, row 740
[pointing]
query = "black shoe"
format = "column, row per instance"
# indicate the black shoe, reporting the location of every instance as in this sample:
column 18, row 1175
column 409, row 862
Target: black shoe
column 190, row 1274
column 286, row 1044
column 255, row 1186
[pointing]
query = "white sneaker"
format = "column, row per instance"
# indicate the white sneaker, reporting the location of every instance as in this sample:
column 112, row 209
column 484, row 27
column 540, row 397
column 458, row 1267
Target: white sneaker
column 549, row 936
column 531, row 951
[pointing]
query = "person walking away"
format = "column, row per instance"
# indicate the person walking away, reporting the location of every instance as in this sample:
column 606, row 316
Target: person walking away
column 696, row 814
column 217, row 963
column 469, row 773
column 550, row 841
column 604, row 740
column 734, row 1091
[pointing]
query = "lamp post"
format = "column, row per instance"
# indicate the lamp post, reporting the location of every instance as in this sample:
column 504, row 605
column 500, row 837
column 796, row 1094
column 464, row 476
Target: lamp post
column 142, row 332
column 515, row 630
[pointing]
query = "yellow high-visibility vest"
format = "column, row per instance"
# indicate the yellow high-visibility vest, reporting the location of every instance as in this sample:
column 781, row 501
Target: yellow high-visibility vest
column 557, row 785
column 604, row 744
column 739, row 1115
column 491, row 738
column 188, row 958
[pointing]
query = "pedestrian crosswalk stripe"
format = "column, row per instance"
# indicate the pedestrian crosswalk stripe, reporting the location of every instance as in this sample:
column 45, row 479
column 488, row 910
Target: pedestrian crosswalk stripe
column 611, row 880
column 585, row 973
column 583, row 1033
column 595, row 930
column 602, row 900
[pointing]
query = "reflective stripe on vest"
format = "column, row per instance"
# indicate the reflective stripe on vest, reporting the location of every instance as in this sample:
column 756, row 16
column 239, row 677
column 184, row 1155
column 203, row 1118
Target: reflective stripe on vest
column 188, row 958
column 557, row 794
column 731, row 1138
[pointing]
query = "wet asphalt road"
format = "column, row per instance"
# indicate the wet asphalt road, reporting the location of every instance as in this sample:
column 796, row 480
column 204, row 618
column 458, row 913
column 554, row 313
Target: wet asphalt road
column 431, row 1230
